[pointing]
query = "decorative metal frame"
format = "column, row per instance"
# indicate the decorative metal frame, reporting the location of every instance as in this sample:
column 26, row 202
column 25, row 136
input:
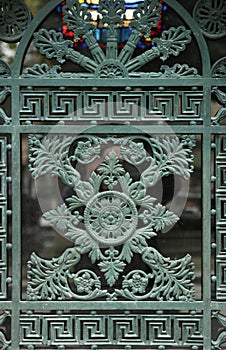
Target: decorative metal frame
column 112, row 116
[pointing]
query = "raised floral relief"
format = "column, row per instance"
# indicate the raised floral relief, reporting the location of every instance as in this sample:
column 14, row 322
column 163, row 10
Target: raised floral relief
column 113, row 63
column 110, row 216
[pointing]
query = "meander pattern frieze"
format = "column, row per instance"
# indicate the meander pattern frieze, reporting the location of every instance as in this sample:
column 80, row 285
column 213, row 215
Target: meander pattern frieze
column 111, row 105
column 142, row 330
column 220, row 216
column 4, row 211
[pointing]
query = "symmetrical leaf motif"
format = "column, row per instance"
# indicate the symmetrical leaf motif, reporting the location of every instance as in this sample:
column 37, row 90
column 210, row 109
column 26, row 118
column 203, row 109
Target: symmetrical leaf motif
column 78, row 18
column 146, row 16
column 112, row 11
column 172, row 42
column 52, row 44
column 62, row 218
column 173, row 278
column 111, row 266
column 41, row 70
column 48, row 279
column 111, row 169
column 116, row 64
column 52, row 279
column 50, row 156
column 170, row 279
column 110, row 213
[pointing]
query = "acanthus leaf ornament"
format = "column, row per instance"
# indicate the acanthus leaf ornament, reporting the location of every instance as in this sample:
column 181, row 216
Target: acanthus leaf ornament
column 112, row 64
column 108, row 211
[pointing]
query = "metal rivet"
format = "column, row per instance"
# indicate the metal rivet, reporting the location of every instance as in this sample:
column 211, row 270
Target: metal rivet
column 193, row 312
column 128, row 347
column 8, row 212
column 59, row 312
column 213, row 211
column 9, row 246
column 194, row 88
column 94, row 88
column 93, row 312
column 61, row 122
column 9, row 179
column 213, row 278
column 213, row 246
column 193, row 122
column 30, row 347
column 28, row 122
column 161, row 347
column 213, row 145
column 194, row 347
column 61, row 347
column 128, row 88
column 93, row 122
column 9, row 147
column 94, row 347
column 213, row 178
column 127, row 123
column 9, row 280
column 159, row 312
column 161, row 88
column 126, row 312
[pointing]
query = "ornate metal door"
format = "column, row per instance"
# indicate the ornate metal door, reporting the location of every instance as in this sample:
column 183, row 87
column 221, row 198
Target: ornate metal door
column 113, row 176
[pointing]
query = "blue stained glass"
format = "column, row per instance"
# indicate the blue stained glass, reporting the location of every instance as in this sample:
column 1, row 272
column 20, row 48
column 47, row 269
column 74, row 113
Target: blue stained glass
column 97, row 34
column 126, row 33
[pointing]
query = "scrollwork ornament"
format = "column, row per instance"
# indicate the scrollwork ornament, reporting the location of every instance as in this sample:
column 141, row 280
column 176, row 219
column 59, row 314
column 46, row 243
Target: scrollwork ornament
column 14, row 19
column 219, row 68
column 221, row 339
column 5, row 71
column 5, row 344
column 110, row 217
column 221, row 98
column 211, row 17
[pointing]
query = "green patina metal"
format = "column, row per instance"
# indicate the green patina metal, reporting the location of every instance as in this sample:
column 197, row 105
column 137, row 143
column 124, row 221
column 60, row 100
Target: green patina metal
column 107, row 131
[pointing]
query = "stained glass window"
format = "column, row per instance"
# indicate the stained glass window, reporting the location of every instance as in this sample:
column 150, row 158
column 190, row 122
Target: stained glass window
column 123, row 31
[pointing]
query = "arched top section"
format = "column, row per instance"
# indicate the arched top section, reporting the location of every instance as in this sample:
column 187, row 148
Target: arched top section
column 28, row 35
column 113, row 64
column 196, row 31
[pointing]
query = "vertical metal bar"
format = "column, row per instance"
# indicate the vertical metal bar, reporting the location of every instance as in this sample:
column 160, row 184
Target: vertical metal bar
column 206, row 213
column 16, row 221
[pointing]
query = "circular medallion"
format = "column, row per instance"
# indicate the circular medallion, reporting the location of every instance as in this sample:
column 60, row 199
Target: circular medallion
column 211, row 17
column 111, row 218
column 14, row 19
